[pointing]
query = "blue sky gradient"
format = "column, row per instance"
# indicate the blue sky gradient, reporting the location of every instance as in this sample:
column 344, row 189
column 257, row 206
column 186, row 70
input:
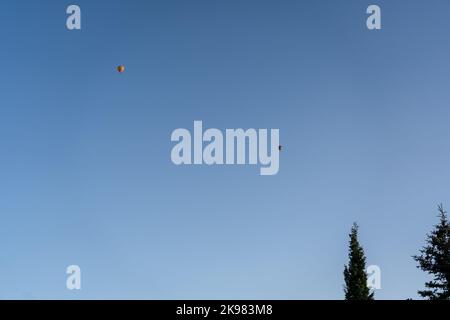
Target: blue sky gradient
column 85, row 170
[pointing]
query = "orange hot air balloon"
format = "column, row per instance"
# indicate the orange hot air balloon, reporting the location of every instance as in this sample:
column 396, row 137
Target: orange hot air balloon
column 121, row 68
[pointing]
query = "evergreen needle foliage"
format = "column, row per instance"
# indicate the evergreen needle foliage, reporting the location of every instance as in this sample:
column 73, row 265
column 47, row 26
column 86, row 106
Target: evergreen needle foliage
column 434, row 259
column 355, row 273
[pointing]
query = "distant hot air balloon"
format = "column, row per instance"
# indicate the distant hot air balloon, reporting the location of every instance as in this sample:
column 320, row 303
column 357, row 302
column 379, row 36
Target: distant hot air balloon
column 121, row 68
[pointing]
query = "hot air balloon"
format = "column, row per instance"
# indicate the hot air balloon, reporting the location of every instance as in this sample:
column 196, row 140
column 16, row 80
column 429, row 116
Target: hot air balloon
column 121, row 68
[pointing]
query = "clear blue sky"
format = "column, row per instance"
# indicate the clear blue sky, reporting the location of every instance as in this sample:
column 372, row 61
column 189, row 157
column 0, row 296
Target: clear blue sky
column 85, row 170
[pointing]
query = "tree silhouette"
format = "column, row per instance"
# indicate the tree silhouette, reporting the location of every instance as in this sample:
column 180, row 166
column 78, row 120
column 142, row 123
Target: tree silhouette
column 434, row 259
column 355, row 275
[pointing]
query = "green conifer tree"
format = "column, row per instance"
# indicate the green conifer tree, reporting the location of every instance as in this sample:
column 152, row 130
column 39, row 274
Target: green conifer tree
column 355, row 275
column 434, row 259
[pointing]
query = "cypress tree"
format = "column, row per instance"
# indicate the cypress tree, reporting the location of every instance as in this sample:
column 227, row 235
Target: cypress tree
column 434, row 259
column 355, row 275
